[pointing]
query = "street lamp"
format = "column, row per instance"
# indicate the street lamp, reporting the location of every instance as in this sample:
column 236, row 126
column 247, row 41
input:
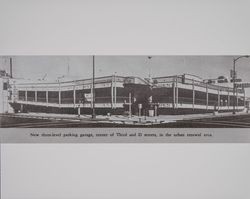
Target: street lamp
column 234, row 76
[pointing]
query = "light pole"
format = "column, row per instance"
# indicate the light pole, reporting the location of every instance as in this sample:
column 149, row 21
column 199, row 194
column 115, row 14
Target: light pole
column 149, row 58
column 234, row 78
column 150, row 99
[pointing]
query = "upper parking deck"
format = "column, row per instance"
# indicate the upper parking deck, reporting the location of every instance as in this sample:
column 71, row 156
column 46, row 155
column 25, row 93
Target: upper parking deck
column 182, row 79
column 106, row 81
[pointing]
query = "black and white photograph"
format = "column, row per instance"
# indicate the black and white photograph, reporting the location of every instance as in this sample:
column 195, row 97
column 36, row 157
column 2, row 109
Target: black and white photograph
column 124, row 99
column 125, row 91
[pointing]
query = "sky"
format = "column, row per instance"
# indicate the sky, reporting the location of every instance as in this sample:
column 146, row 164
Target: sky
column 80, row 67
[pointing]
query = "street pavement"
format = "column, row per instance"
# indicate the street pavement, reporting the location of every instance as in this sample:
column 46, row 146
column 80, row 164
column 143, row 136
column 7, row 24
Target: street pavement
column 43, row 120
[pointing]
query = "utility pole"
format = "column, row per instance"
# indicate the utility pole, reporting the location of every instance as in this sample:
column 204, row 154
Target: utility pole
column 93, row 90
column 11, row 72
column 234, row 79
column 68, row 67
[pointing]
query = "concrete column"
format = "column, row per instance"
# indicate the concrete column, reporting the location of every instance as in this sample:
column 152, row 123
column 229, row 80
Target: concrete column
column 228, row 99
column 206, row 96
column 173, row 94
column 26, row 95
column 218, row 99
column 193, row 94
column 74, row 95
column 115, row 89
column 244, row 98
column 47, row 97
column 177, row 93
column 112, row 92
column 59, row 94
column 130, row 106
column 35, row 96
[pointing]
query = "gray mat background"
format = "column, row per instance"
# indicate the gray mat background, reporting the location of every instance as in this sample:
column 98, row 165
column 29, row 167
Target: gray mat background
column 178, row 171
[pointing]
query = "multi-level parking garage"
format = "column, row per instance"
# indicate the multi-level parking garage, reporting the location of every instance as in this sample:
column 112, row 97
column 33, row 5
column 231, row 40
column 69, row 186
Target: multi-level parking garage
column 188, row 94
column 180, row 94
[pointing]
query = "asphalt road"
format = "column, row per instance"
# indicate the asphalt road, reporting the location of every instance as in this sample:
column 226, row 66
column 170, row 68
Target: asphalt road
column 233, row 121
